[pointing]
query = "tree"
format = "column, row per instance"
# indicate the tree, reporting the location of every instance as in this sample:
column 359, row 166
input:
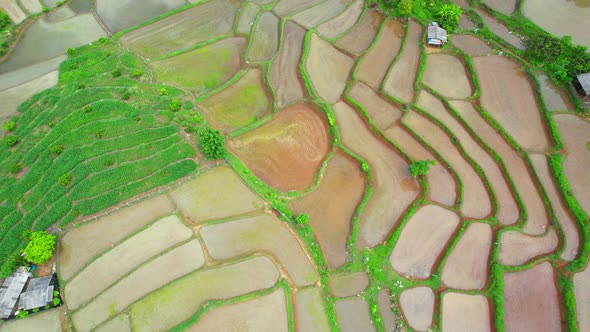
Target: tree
column 212, row 143
column 40, row 249
column 405, row 7
column 421, row 167
column 5, row 21
column 448, row 16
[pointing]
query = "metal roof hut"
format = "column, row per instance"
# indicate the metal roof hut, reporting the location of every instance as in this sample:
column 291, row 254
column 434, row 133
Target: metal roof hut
column 582, row 85
column 437, row 36
column 11, row 290
column 38, row 294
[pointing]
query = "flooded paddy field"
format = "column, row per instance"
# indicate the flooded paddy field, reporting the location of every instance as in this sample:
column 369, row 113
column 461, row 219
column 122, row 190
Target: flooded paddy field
column 313, row 220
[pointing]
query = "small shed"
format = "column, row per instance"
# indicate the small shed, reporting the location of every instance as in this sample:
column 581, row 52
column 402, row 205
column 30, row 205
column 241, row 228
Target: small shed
column 437, row 36
column 11, row 290
column 582, row 85
column 38, row 294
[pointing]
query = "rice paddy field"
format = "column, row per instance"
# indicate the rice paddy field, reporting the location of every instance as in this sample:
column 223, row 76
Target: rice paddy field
column 312, row 221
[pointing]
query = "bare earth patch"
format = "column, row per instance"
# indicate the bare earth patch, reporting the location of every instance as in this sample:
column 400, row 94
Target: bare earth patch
column 417, row 306
column 342, row 22
column 517, row 248
column 471, row 45
column 332, row 205
column 309, row 310
column 348, row 284
column 359, row 38
column 353, row 315
column 447, row 75
column 462, row 312
column 287, row 151
column 382, row 112
column 284, row 72
column 264, row 41
column 416, row 251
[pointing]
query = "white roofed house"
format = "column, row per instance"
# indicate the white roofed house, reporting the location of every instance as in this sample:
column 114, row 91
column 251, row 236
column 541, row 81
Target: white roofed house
column 21, row 292
column 10, row 292
column 582, row 85
column 437, row 36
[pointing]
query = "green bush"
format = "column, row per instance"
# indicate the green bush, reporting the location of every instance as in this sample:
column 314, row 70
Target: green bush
column 421, row 167
column 10, row 140
column 449, row 15
column 163, row 92
column 71, row 51
column 117, row 72
column 87, row 109
column 9, row 125
column 175, row 105
column 405, row 7
column 212, row 143
column 15, row 168
column 40, row 248
column 35, row 310
column 136, row 73
column 65, row 179
column 11, row 264
column 56, row 149
column 302, row 219
column 56, row 301
column 5, row 21
column 22, row 314
column 126, row 95
column 563, row 59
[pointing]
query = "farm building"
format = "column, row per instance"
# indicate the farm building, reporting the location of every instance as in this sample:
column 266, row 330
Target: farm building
column 437, row 36
column 38, row 292
column 582, row 85
column 11, row 290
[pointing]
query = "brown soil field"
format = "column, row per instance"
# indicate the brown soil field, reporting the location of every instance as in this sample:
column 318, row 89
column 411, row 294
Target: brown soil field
column 263, row 233
column 375, row 63
column 328, row 69
column 417, row 306
column 447, row 75
column 332, row 205
column 342, row 22
column 178, row 301
column 248, row 14
column 508, row 211
column 159, row 272
column 530, row 300
column 462, row 312
column 523, row 179
column 111, row 266
column 508, row 95
column 517, row 248
column 78, row 246
column 359, row 38
column 353, row 315
column 505, row 7
column 441, row 184
column 567, row 222
column 576, row 135
column 399, row 82
column 322, row 12
column 284, row 72
column 202, row 69
column 394, row 188
column 310, row 313
column 264, row 313
column 13, row 10
column 241, row 104
column 13, row 97
column 285, row 7
column 465, row 23
column 118, row 324
column 387, row 317
column 348, row 284
column 582, row 293
column 206, row 197
column 471, row 45
column 382, row 112
column 476, row 202
column 467, row 265
column 264, row 41
column 416, row 251
column 184, row 29
column 287, row 151
column 556, row 99
column 500, row 29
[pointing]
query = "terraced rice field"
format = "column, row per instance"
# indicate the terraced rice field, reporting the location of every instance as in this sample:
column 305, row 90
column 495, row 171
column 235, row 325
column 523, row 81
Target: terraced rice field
column 313, row 221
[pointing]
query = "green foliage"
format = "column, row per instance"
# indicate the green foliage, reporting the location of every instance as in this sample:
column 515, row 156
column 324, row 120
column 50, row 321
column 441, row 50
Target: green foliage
column 302, row 219
column 40, row 248
column 57, row 149
column 87, row 109
column 56, row 301
column 5, row 21
column 45, row 9
column 35, row 310
column 163, row 92
column 136, row 73
column 212, row 143
column 22, row 314
column 405, row 7
column 65, row 179
column 421, row 167
column 562, row 59
column 126, row 95
column 365, row 167
column 11, row 264
column 448, row 16
column 175, row 105
column 71, row 52
column 9, row 125
column 15, row 168
column 10, row 140
column 117, row 72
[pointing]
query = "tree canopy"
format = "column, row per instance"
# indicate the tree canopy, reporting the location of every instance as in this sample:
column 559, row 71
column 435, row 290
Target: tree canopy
column 40, row 248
